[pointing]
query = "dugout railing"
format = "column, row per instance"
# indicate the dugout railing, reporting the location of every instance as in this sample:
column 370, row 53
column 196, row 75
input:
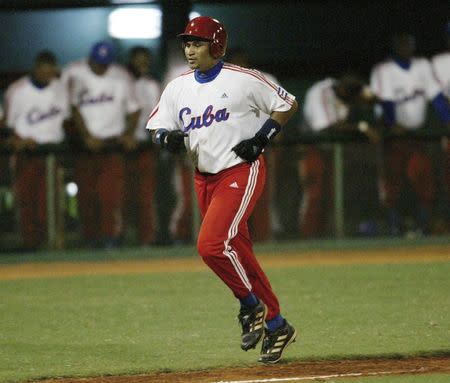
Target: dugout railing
column 335, row 143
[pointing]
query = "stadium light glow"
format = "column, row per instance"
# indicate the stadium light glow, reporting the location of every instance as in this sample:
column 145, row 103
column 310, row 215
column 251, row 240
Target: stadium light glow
column 131, row 1
column 193, row 15
column 72, row 189
column 135, row 23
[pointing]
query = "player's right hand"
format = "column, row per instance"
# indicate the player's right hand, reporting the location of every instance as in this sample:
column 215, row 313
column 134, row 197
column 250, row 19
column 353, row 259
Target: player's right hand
column 93, row 143
column 173, row 141
column 250, row 149
column 20, row 144
column 398, row 130
column 373, row 135
column 129, row 143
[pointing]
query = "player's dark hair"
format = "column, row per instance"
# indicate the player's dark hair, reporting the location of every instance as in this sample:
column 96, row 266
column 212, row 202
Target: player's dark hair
column 139, row 49
column 184, row 39
column 45, row 57
column 351, row 84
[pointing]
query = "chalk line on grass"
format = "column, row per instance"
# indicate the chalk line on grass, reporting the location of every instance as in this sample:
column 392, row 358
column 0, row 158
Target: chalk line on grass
column 315, row 377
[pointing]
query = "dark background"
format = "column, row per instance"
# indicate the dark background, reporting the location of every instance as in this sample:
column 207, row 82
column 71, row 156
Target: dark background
column 288, row 38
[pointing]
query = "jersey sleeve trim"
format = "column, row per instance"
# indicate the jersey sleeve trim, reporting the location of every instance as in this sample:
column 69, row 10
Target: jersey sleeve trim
column 260, row 77
column 152, row 114
column 186, row 73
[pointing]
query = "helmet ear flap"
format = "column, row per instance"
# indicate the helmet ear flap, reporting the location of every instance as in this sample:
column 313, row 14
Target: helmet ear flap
column 214, row 50
column 209, row 29
column 218, row 48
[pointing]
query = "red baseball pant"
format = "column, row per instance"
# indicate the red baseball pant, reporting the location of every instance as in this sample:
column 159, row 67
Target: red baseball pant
column 180, row 226
column 226, row 200
column 100, row 178
column 315, row 176
column 406, row 161
column 447, row 170
column 260, row 224
column 31, row 198
column 139, row 194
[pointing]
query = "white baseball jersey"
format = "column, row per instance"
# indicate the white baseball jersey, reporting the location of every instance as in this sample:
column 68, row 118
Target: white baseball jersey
column 441, row 70
column 37, row 113
column 148, row 92
column 219, row 114
column 103, row 101
column 409, row 89
column 322, row 108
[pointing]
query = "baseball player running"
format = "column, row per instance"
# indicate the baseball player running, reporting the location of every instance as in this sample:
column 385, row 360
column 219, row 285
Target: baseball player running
column 212, row 110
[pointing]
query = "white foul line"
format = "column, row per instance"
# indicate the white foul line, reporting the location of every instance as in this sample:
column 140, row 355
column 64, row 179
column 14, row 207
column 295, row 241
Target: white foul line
column 348, row 375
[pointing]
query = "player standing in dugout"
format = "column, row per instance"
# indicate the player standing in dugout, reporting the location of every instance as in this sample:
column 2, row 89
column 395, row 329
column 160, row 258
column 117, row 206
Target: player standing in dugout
column 214, row 111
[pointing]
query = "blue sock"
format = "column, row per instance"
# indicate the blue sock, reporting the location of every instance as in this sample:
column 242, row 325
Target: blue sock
column 275, row 323
column 249, row 301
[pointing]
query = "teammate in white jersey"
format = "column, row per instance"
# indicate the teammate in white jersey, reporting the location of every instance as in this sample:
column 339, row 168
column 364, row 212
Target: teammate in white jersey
column 405, row 85
column 215, row 111
column 141, row 163
column 327, row 108
column 105, row 111
column 441, row 69
column 441, row 66
column 36, row 106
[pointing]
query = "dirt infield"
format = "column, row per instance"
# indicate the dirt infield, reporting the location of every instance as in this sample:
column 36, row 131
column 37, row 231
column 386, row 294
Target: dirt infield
column 287, row 372
column 423, row 254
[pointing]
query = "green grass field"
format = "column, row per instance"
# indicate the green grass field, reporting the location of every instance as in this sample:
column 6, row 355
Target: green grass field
column 127, row 324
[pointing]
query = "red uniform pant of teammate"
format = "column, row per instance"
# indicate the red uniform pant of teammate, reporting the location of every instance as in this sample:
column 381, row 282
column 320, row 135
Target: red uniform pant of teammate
column 180, row 226
column 226, row 200
column 260, row 221
column 447, row 170
column 139, row 193
column 315, row 177
column 100, row 177
column 405, row 161
column 31, row 198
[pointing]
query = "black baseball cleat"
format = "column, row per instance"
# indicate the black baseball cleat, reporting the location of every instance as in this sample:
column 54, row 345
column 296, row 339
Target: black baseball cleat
column 252, row 322
column 275, row 342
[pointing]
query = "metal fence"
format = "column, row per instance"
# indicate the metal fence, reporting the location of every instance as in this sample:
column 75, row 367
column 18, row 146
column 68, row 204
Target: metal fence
column 351, row 198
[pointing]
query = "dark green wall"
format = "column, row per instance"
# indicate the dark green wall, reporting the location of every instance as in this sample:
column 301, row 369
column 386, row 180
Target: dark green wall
column 289, row 39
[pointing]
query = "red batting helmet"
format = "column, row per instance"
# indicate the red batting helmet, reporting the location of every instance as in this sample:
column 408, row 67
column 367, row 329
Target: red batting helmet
column 209, row 29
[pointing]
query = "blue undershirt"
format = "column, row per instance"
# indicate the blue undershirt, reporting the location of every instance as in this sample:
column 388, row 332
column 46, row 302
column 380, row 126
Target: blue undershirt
column 442, row 107
column 402, row 63
column 37, row 84
column 209, row 75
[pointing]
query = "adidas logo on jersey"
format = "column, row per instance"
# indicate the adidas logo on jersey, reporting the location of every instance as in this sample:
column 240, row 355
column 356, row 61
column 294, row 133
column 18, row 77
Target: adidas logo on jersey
column 224, row 95
column 234, row 185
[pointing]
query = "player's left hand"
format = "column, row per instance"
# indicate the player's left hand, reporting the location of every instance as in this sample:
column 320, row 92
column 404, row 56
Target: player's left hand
column 250, row 149
column 21, row 144
column 173, row 141
column 129, row 142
